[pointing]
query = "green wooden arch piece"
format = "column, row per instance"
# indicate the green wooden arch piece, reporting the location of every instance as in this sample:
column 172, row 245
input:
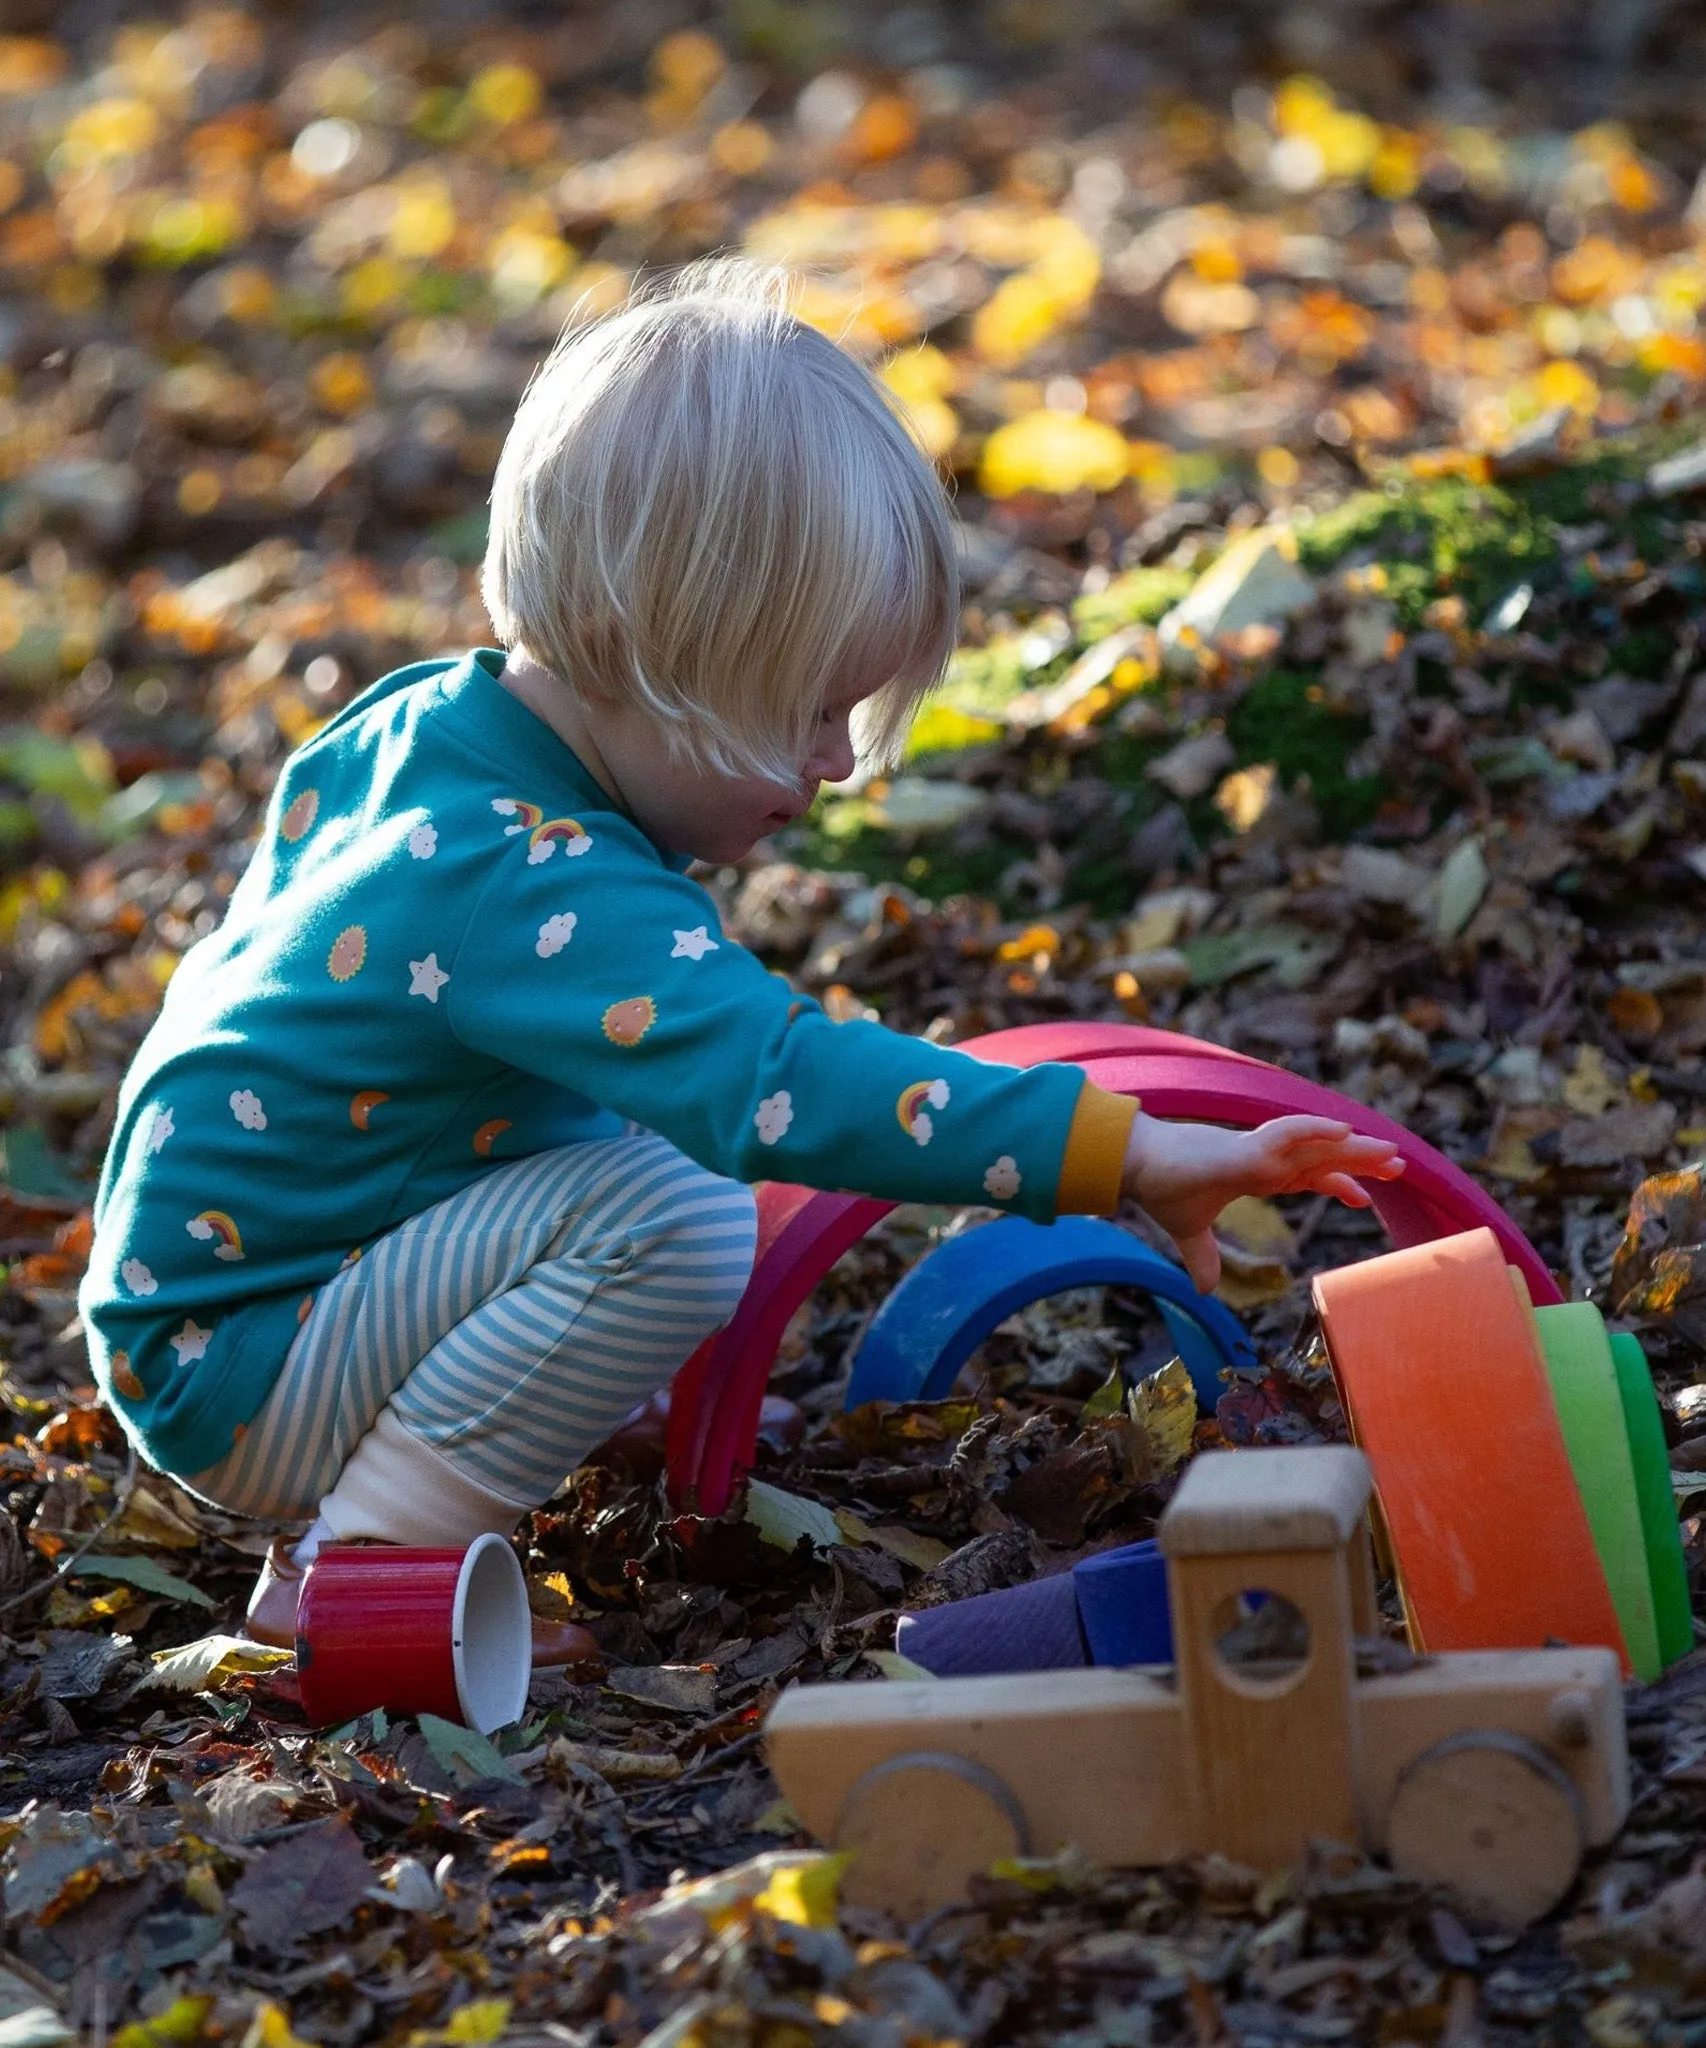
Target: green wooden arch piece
column 1667, row 1568
column 1590, row 1412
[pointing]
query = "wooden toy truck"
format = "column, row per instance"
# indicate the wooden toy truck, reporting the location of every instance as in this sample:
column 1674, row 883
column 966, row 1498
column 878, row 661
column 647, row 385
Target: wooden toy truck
column 1489, row 1771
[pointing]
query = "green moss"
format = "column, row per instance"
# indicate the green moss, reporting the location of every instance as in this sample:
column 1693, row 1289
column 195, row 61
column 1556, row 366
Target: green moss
column 1278, row 721
column 1645, row 651
column 1139, row 597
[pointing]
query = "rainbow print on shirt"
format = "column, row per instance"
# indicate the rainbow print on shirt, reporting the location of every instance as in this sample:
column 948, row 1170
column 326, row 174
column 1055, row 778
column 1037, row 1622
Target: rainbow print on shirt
column 214, row 1224
column 544, row 835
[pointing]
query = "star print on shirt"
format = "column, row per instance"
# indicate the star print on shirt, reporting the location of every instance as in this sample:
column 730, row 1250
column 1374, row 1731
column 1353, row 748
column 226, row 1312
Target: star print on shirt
column 426, row 977
column 191, row 1342
column 693, row 945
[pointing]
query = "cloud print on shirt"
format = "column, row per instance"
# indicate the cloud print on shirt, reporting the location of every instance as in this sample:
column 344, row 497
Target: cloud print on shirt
column 246, row 1108
column 555, row 933
column 137, row 1277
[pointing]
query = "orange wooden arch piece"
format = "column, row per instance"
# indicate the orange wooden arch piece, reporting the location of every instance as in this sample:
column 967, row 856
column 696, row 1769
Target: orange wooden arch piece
column 1442, row 1376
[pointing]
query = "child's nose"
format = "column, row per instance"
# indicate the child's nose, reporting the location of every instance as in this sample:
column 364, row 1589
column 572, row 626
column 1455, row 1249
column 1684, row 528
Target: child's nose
column 833, row 758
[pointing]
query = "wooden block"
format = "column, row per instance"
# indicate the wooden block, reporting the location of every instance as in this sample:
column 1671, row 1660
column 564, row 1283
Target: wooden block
column 1094, row 1757
column 1442, row 1378
column 1273, row 1763
column 1492, row 1816
column 1570, row 1702
column 1247, row 1501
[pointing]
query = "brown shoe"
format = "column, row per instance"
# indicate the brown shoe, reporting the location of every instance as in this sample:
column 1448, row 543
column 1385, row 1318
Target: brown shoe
column 272, row 1615
column 272, row 1605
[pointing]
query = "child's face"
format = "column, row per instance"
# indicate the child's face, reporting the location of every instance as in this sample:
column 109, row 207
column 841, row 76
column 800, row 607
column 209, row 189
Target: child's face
column 695, row 810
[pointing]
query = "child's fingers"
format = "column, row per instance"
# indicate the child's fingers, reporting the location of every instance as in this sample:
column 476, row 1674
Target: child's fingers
column 1285, row 1131
column 1348, row 1191
column 1201, row 1256
column 1347, row 1153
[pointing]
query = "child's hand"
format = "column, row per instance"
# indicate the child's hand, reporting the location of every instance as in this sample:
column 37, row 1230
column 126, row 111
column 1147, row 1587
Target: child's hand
column 1185, row 1174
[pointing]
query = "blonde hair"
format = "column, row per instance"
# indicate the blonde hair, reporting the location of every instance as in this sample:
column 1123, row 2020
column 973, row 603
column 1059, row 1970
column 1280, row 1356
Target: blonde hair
column 705, row 505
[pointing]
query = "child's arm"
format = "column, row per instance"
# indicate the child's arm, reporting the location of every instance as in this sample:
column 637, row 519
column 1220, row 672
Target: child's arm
column 607, row 973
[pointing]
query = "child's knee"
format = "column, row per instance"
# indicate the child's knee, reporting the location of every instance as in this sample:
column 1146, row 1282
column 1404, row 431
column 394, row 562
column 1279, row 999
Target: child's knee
column 697, row 1248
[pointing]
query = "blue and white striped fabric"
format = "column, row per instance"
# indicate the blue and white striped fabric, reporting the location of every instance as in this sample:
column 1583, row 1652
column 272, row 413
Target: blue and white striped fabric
column 510, row 1328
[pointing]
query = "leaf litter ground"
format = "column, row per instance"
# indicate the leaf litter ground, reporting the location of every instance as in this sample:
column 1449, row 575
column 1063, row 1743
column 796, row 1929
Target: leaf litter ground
column 1416, row 806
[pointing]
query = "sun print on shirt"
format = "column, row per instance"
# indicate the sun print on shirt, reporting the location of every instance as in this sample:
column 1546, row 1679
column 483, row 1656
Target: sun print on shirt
column 299, row 815
column 349, row 950
column 627, row 1022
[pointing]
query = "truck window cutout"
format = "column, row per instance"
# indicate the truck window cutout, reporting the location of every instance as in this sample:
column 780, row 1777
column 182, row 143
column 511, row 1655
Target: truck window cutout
column 1261, row 1640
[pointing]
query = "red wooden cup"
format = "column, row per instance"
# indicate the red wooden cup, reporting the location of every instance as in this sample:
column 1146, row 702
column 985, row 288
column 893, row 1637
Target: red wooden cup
column 443, row 1632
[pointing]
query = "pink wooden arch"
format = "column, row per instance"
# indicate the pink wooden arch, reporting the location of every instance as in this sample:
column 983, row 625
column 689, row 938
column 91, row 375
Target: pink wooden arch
column 713, row 1422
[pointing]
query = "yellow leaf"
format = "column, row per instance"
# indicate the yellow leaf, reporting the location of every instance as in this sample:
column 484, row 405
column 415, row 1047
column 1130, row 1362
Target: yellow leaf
column 729, row 1895
column 1034, row 939
column 479, row 2021
column 1107, row 1401
column 1164, row 1407
column 424, row 220
column 216, row 1660
column 271, row 2028
column 805, row 1894
column 505, row 93
column 1589, row 1088
column 180, row 2023
column 1256, row 1226
column 1053, row 451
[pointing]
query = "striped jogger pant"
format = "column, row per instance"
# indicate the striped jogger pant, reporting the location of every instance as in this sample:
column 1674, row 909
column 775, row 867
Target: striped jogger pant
column 483, row 1347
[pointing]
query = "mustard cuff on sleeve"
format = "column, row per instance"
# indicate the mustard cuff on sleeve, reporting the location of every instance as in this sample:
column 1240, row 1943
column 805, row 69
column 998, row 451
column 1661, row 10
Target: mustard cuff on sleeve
column 1095, row 1153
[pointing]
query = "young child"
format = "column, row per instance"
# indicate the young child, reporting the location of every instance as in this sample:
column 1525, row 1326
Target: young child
column 435, row 1163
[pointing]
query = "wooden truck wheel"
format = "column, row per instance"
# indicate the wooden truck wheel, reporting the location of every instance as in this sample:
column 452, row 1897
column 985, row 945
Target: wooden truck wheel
column 1494, row 1817
column 921, row 1825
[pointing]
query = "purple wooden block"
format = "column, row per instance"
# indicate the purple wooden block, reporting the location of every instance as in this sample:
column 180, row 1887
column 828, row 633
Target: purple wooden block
column 1033, row 1627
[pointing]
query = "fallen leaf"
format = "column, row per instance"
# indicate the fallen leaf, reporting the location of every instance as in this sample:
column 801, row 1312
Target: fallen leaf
column 787, row 1520
column 1463, row 882
column 804, row 1894
column 463, row 1754
column 677, row 1688
column 213, row 1663
column 143, row 1572
column 894, row 1666
column 921, row 1552
column 474, row 2025
column 1639, row 1130
column 1164, row 1408
column 309, row 1882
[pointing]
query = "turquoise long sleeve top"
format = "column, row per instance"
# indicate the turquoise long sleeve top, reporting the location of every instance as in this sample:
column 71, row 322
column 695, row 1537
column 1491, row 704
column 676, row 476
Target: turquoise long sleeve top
column 452, row 948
